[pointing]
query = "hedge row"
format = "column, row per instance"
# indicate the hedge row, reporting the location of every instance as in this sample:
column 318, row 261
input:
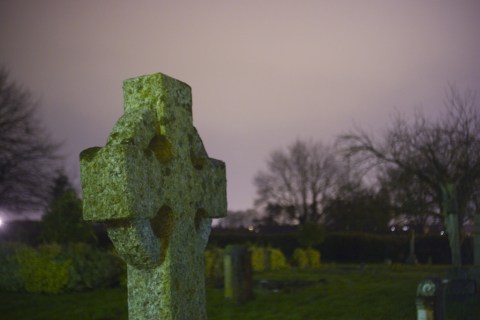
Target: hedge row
column 52, row 268
column 354, row 247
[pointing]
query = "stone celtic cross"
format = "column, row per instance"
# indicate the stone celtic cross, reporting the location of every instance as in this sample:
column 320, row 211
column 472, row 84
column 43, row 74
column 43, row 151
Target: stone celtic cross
column 157, row 190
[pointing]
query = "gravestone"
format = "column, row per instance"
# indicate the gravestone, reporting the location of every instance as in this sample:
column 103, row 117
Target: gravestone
column 238, row 273
column 430, row 299
column 157, row 190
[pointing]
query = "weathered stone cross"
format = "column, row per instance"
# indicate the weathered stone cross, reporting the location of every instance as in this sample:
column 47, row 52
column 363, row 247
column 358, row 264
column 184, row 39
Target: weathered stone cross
column 155, row 187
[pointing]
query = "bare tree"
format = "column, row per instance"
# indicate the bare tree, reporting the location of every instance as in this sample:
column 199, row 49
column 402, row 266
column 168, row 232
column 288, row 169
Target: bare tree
column 296, row 182
column 27, row 156
column 444, row 154
column 412, row 201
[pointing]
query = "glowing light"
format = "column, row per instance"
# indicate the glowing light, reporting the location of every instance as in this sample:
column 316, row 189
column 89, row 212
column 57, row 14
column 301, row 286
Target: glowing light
column 251, row 228
column 442, row 233
column 392, row 229
column 405, row 228
column 1, row 222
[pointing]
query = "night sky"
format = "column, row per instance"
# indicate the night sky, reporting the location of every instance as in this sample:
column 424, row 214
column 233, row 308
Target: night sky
column 263, row 73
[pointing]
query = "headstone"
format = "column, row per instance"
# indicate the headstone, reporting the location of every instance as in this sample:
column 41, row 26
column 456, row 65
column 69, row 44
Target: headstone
column 430, row 300
column 238, row 274
column 157, row 190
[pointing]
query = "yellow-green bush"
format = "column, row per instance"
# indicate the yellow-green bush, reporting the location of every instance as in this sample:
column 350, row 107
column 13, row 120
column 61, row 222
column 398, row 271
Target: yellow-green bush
column 300, row 258
column 213, row 266
column 53, row 268
column 264, row 259
column 306, row 258
column 313, row 258
column 258, row 263
column 278, row 260
column 43, row 270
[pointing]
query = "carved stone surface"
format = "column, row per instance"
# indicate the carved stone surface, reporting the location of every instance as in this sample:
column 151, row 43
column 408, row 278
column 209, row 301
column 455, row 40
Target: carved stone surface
column 155, row 187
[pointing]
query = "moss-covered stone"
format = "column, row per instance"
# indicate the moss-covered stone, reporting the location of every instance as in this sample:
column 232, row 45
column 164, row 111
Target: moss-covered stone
column 157, row 190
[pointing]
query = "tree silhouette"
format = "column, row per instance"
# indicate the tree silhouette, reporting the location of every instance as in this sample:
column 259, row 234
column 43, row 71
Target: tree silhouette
column 444, row 154
column 63, row 222
column 358, row 209
column 412, row 201
column 296, row 182
column 27, row 156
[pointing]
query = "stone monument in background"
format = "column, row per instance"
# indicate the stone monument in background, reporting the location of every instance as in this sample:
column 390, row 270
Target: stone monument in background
column 412, row 258
column 157, row 190
column 238, row 284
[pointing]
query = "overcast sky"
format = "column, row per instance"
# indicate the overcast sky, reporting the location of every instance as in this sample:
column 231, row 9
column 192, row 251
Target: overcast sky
column 263, row 73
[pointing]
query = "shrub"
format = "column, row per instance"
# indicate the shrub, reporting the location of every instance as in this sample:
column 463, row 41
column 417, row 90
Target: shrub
column 313, row 258
column 43, row 270
column 258, row 260
column 306, row 258
column 300, row 258
column 92, row 268
column 265, row 259
column 10, row 278
column 277, row 259
column 52, row 268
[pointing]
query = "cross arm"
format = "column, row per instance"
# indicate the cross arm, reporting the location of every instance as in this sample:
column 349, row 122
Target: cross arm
column 121, row 180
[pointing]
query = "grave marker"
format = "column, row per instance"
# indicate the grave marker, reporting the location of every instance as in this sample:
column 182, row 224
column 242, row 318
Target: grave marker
column 430, row 299
column 157, row 190
column 238, row 273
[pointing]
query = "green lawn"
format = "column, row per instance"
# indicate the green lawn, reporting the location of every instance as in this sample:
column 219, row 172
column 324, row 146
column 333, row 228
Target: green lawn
column 335, row 292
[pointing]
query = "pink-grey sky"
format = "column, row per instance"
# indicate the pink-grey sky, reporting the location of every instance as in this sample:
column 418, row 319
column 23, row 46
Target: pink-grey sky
column 263, row 73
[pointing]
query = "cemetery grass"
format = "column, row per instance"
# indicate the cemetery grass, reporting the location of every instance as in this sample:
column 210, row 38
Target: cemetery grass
column 332, row 292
